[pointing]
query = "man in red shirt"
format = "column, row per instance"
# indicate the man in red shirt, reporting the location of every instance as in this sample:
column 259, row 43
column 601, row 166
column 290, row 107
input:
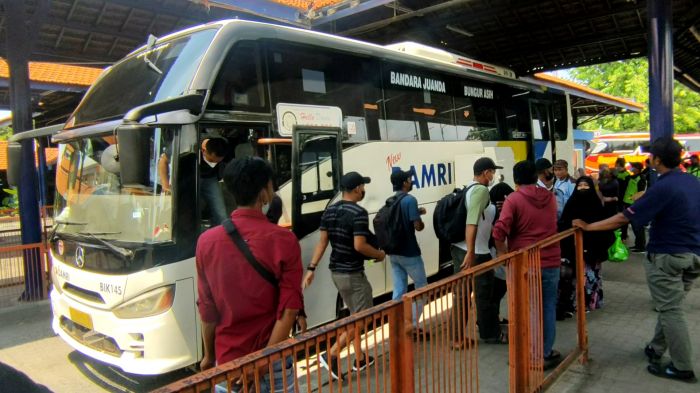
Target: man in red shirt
column 241, row 311
column 528, row 216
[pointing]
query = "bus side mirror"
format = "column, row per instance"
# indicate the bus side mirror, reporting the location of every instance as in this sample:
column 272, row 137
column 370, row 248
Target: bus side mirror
column 134, row 155
column 14, row 163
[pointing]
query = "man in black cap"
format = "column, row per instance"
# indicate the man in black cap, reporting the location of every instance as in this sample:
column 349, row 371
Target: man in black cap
column 408, row 260
column 475, row 250
column 545, row 174
column 345, row 224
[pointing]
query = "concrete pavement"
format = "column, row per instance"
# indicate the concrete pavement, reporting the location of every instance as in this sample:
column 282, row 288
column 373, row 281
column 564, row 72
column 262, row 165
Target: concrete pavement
column 617, row 334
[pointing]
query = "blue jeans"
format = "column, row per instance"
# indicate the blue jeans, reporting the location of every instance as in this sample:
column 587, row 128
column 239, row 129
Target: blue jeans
column 550, row 283
column 401, row 268
column 277, row 373
column 210, row 191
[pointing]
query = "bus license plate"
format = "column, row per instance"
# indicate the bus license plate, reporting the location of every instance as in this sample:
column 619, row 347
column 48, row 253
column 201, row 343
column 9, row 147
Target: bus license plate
column 81, row 318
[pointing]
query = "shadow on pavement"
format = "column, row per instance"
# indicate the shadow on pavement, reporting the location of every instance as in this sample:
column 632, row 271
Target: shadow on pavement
column 113, row 379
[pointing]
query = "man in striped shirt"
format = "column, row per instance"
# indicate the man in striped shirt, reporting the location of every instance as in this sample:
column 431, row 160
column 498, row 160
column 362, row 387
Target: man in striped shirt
column 345, row 224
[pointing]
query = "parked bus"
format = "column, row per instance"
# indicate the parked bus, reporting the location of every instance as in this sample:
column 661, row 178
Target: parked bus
column 316, row 106
column 632, row 146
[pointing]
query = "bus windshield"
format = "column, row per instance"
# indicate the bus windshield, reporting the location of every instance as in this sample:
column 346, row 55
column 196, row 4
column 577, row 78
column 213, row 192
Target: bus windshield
column 134, row 82
column 91, row 202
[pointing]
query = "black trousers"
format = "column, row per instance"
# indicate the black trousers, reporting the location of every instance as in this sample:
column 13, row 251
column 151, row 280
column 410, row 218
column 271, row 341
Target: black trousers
column 488, row 290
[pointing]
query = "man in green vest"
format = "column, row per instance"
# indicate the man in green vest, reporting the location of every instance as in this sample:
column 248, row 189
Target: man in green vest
column 694, row 168
column 621, row 174
column 635, row 184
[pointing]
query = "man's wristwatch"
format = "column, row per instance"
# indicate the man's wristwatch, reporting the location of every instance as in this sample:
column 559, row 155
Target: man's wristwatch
column 311, row 268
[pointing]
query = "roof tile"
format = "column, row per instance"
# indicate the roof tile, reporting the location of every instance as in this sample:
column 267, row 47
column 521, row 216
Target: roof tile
column 56, row 73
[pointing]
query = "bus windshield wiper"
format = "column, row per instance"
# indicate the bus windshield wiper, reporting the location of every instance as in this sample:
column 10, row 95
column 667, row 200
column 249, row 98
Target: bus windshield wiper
column 71, row 222
column 123, row 252
column 149, row 46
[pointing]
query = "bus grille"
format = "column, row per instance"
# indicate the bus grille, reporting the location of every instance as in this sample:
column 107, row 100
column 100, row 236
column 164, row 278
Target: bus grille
column 83, row 293
column 90, row 338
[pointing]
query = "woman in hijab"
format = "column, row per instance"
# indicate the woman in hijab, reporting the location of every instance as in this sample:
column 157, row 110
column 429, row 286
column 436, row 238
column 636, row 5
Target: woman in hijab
column 585, row 204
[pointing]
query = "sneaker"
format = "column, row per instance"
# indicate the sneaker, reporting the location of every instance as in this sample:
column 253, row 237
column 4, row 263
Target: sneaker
column 333, row 367
column 652, row 355
column 363, row 363
column 672, row 372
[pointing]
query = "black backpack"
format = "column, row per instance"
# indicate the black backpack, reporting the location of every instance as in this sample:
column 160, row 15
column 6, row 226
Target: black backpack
column 389, row 225
column 450, row 216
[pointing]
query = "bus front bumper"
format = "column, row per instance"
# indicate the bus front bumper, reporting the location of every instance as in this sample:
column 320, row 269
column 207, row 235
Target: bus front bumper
column 146, row 346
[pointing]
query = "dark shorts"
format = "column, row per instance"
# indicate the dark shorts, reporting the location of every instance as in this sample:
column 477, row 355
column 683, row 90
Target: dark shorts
column 355, row 290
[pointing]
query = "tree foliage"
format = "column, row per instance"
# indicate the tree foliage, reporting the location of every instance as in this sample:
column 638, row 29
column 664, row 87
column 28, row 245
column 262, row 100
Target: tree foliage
column 5, row 133
column 629, row 79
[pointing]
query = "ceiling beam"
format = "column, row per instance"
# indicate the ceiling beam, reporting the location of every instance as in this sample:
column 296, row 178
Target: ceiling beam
column 197, row 15
column 89, row 28
column 386, row 22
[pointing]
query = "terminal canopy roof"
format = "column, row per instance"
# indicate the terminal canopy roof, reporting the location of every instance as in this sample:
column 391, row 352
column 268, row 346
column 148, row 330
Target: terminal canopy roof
column 528, row 36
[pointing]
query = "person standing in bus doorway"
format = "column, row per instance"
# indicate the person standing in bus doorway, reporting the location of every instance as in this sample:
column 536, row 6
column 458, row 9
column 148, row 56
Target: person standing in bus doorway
column 545, row 175
column 211, row 168
column 244, row 309
column 528, row 216
column 474, row 250
column 635, row 185
column 673, row 260
column 345, row 224
column 408, row 261
column 564, row 186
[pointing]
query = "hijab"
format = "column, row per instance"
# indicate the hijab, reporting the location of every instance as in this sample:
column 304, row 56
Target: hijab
column 586, row 205
column 583, row 204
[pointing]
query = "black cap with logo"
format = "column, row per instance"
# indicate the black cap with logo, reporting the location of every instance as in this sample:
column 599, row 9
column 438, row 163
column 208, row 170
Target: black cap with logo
column 483, row 164
column 352, row 180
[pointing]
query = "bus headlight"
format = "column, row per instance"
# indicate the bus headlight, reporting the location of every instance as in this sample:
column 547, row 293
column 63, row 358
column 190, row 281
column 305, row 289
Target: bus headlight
column 150, row 303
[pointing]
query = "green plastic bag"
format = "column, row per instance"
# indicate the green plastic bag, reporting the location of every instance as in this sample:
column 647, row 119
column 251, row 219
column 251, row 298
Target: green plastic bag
column 618, row 252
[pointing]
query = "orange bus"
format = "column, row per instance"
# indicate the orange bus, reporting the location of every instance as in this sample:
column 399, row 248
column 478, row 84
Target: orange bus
column 633, row 146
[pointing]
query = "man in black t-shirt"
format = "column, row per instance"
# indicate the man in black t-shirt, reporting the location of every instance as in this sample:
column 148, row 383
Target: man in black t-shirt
column 345, row 225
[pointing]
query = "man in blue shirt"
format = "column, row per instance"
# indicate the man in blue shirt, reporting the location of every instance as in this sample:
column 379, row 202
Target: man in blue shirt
column 564, row 186
column 408, row 261
column 673, row 259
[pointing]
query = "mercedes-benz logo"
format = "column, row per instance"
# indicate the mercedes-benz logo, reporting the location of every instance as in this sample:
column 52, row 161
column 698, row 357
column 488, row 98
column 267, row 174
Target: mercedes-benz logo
column 79, row 257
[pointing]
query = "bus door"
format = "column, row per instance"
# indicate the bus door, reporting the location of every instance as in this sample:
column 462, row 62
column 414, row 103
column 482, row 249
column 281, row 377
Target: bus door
column 316, row 171
column 542, row 121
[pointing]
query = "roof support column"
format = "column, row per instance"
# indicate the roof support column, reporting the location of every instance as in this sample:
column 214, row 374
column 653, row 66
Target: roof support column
column 660, row 68
column 18, row 51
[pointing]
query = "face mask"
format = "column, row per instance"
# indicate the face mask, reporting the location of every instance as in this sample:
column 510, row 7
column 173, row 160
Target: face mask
column 265, row 209
column 363, row 195
column 549, row 176
column 211, row 164
column 492, row 181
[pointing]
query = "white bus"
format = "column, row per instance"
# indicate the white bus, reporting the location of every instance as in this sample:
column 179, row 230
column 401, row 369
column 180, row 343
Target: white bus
column 315, row 105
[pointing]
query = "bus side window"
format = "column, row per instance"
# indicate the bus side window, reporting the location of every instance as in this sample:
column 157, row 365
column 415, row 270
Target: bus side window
column 414, row 113
column 516, row 116
column 318, row 76
column 239, row 85
column 477, row 118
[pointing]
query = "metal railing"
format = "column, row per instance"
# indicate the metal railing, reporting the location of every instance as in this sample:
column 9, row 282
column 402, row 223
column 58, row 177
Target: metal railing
column 23, row 273
column 404, row 361
column 24, row 268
